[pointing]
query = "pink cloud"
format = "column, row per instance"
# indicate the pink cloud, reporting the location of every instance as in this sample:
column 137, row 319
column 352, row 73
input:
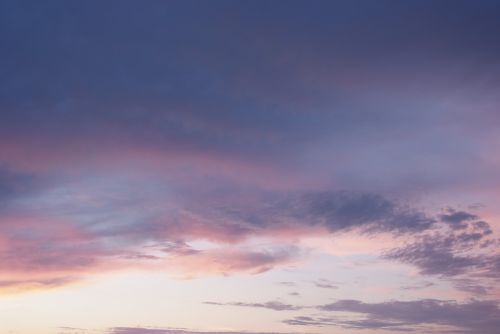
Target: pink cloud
column 227, row 261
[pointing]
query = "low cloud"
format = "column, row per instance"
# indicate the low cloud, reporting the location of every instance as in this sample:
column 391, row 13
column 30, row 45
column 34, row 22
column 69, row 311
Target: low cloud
column 468, row 317
column 15, row 285
column 272, row 305
column 418, row 286
column 150, row 330
column 345, row 210
column 227, row 261
column 469, row 249
column 325, row 284
column 139, row 330
column 457, row 219
column 68, row 232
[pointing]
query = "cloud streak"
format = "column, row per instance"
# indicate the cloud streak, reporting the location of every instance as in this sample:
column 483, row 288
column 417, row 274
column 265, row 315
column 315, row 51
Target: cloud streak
column 469, row 317
column 272, row 305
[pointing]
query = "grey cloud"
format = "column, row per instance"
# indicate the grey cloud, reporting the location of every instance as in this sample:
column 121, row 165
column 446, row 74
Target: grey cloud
column 261, row 96
column 132, row 218
column 468, row 250
column 286, row 283
column 432, row 259
column 325, row 284
column 14, row 183
column 346, row 210
column 312, row 321
column 469, row 317
column 418, row 286
column 272, row 305
column 151, row 330
column 335, row 210
column 472, row 286
column 351, row 324
column 457, row 219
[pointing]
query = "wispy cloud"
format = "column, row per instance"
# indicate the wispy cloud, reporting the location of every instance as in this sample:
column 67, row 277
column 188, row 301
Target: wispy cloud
column 469, row 317
column 156, row 330
column 325, row 284
column 468, row 249
column 272, row 305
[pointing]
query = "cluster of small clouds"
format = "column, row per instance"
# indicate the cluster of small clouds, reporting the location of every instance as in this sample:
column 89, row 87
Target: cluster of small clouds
column 466, row 252
column 466, row 317
column 457, row 246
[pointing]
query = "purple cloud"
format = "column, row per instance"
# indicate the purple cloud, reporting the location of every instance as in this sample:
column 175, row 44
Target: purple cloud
column 272, row 305
column 468, row 317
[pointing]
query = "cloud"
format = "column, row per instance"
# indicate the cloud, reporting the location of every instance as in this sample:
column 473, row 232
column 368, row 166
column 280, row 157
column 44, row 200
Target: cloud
column 286, row 283
column 272, row 305
column 151, row 330
column 23, row 284
column 420, row 285
column 243, row 121
column 468, row 249
column 470, row 317
column 45, row 245
column 473, row 286
column 457, row 219
column 325, row 284
column 227, row 261
column 352, row 324
column 254, row 141
column 344, row 210
column 114, row 221
column 15, row 183
column 120, row 228
column 244, row 103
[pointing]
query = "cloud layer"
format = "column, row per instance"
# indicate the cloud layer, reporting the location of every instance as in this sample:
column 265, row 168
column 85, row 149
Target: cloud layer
column 405, row 316
column 231, row 138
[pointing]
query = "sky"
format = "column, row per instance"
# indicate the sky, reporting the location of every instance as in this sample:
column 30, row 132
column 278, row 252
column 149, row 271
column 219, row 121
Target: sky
column 249, row 167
